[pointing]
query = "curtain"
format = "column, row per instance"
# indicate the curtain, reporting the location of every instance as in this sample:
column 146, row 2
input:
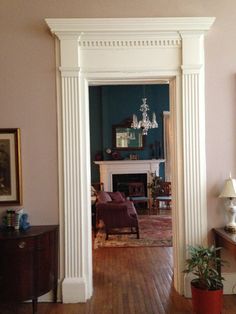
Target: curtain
column 167, row 140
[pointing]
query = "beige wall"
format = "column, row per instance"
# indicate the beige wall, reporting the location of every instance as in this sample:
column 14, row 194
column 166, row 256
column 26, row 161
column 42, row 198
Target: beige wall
column 28, row 96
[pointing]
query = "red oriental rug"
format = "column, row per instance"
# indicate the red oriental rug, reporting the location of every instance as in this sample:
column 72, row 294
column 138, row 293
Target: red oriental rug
column 154, row 231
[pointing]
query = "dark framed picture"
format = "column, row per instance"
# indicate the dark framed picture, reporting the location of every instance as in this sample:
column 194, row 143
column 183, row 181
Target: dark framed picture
column 10, row 167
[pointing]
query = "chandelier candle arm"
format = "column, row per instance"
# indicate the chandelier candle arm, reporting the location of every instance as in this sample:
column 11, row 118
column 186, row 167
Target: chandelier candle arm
column 154, row 121
column 134, row 124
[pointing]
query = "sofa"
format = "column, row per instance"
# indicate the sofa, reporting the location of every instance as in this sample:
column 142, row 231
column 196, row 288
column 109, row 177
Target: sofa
column 117, row 213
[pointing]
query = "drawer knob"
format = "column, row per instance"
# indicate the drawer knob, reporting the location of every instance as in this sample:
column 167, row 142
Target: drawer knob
column 22, row 244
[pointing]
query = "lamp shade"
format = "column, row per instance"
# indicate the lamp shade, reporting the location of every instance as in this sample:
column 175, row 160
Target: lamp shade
column 229, row 190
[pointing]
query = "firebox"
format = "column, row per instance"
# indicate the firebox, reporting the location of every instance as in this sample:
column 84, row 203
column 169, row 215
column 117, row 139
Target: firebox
column 120, row 182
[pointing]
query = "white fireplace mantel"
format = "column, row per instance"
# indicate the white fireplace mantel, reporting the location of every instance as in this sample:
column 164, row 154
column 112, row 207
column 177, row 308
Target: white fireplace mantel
column 109, row 167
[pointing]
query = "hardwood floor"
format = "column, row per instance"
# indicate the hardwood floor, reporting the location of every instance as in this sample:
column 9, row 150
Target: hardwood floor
column 128, row 281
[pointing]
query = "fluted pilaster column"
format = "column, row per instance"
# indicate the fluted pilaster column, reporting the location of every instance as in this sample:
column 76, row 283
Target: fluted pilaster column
column 74, row 280
column 74, row 126
column 71, row 172
column 194, row 138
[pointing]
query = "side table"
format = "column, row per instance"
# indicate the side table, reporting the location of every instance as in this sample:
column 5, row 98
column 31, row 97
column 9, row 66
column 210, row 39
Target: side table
column 28, row 264
column 226, row 240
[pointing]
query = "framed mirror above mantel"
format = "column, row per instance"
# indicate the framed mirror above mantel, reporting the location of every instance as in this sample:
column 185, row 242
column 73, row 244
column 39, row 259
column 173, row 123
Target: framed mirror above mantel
column 126, row 138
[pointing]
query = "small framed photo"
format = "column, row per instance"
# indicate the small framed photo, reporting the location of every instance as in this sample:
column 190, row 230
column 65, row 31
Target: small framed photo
column 10, row 167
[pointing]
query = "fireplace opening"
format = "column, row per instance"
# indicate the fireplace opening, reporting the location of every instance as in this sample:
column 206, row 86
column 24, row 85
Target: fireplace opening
column 120, row 182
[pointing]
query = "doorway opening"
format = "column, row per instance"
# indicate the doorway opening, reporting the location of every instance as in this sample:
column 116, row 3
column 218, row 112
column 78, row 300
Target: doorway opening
column 109, row 106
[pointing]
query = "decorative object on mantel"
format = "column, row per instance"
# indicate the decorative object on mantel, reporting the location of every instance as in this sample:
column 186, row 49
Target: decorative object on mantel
column 155, row 150
column 134, row 156
column 108, row 152
column 154, row 231
column 145, row 123
column 98, row 156
column 229, row 191
column 115, row 155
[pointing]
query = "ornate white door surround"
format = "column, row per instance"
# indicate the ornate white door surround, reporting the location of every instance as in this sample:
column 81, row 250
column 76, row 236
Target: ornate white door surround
column 129, row 51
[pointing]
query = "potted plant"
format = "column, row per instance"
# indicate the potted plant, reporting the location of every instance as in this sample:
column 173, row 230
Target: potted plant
column 154, row 185
column 207, row 286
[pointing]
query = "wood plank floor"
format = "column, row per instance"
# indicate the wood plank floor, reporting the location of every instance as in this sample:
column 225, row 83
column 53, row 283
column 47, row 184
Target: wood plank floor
column 127, row 281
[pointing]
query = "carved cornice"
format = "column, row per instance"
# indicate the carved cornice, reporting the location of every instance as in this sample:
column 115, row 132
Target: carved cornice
column 131, row 25
column 126, row 32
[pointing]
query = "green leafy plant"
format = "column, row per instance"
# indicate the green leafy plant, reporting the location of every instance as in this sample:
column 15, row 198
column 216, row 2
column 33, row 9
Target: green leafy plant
column 203, row 263
column 154, row 185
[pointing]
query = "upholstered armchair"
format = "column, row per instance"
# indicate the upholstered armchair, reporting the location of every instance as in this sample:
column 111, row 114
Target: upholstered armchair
column 117, row 213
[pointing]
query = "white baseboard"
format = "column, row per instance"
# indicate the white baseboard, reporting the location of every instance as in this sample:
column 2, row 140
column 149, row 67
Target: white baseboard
column 229, row 284
column 229, row 287
column 74, row 290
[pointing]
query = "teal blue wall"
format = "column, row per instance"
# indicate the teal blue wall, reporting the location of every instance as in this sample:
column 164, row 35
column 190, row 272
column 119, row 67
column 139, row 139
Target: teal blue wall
column 111, row 105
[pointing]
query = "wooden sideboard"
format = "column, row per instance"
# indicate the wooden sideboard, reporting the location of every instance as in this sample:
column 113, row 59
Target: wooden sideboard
column 226, row 240
column 28, row 264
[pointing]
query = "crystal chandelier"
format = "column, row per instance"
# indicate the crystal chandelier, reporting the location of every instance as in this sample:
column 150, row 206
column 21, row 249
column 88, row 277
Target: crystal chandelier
column 145, row 123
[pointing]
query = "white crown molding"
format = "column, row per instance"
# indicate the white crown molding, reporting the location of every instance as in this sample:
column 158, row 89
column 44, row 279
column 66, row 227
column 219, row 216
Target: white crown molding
column 141, row 25
column 127, row 32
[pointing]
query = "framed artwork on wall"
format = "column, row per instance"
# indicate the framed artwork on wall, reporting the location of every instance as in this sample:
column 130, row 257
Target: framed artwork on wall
column 10, row 167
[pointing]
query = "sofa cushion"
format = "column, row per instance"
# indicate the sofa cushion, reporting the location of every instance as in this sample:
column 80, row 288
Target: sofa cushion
column 130, row 208
column 116, row 197
column 103, row 197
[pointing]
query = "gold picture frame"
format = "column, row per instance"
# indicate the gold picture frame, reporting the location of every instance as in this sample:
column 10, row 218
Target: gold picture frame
column 10, row 167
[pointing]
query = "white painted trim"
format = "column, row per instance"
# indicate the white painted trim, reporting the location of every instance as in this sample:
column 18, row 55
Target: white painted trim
column 166, row 113
column 109, row 167
column 130, row 50
column 74, row 290
column 61, row 272
column 114, row 25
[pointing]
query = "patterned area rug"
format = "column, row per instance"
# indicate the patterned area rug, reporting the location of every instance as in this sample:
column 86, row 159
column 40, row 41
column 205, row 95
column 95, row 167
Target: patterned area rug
column 154, row 231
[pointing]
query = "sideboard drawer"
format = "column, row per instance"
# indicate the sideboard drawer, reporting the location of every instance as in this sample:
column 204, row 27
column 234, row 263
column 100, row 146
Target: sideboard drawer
column 11, row 246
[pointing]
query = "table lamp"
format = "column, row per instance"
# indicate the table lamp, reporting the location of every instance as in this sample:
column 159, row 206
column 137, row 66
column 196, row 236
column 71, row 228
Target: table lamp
column 229, row 191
